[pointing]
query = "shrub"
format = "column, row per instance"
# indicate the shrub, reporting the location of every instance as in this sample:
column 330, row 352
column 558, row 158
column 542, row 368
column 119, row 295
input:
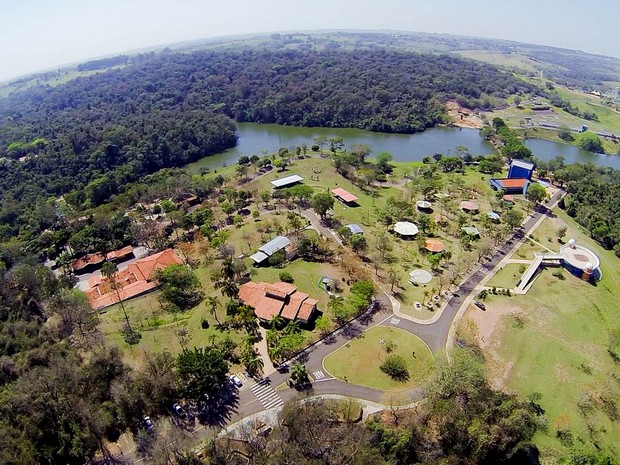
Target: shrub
column 286, row 277
column 395, row 367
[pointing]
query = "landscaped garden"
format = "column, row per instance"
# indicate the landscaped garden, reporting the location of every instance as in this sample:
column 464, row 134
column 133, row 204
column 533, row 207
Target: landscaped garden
column 360, row 361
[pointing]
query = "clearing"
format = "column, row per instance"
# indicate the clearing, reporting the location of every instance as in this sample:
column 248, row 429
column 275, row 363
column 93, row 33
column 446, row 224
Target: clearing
column 358, row 362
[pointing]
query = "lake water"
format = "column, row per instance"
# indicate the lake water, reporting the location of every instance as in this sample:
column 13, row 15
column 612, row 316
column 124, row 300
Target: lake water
column 259, row 139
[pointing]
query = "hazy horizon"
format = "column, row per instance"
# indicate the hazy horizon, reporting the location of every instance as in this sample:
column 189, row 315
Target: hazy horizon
column 36, row 35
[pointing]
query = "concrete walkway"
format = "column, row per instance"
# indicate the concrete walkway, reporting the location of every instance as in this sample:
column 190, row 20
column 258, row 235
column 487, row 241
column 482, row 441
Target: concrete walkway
column 261, row 348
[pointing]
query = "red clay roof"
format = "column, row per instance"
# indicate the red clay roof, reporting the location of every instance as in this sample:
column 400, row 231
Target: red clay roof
column 515, row 182
column 134, row 280
column 434, row 245
column 468, row 205
column 120, row 253
column 269, row 300
column 508, row 198
column 96, row 258
column 344, row 195
column 88, row 259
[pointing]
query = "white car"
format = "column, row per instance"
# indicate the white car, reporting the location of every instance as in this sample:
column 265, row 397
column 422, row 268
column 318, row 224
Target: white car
column 236, row 380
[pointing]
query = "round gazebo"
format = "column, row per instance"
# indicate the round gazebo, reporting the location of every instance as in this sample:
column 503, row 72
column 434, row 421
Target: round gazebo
column 468, row 206
column 420, row 276
column 434, row 245
column 406, row 229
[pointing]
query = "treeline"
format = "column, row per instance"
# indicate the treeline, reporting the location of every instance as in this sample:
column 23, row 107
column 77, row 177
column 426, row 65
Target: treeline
column 593, row 198
column 65, row 394
column 103, row 63
column 506, row 140
column 92, row 136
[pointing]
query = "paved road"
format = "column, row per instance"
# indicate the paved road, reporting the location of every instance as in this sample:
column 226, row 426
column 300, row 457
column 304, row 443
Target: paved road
column 435, row 335
column 272, row 392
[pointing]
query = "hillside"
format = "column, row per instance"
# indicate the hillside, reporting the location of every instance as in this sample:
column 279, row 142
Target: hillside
column 92, row 136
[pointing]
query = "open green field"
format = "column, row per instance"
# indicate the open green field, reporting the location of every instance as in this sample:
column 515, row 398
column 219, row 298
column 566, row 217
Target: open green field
column 496, row 58
column 559, row 348
column 507, row 277
column 160, row 330
column 358, row 362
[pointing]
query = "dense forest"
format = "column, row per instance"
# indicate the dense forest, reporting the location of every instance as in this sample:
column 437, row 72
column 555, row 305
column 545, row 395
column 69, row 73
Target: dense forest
column 593, row 200
column 92, row 136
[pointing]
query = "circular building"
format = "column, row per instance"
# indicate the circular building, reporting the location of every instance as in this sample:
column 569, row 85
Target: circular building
column 406, row 229
column 420, row 276
column 580, row 260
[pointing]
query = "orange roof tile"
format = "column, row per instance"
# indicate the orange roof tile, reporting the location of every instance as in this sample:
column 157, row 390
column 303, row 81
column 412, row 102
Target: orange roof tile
column 133, row 280
column 280, row 298
column 434, row 245
column 515, row 182
column 86, row 260
column 120, row 253
column 307, row 307
column 292, row 307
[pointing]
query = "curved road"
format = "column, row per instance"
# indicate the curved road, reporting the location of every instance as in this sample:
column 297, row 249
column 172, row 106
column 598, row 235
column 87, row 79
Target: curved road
column 435, row 335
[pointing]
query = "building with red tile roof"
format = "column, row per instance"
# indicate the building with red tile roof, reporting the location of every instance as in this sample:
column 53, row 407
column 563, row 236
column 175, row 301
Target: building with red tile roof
column 92, row 261
column 344, row 195
column 135, row 280
column 269, row 300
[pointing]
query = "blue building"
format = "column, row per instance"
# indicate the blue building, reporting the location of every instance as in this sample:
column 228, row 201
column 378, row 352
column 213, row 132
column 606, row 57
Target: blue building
column 520, row 169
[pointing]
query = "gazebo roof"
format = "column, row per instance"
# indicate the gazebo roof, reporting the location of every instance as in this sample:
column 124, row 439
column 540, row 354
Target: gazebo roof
column 420, row 276
column 434, row 245
column 468, row 205
column 493, row 215
column 406, row 228
column 471, row 230
column 423, row 204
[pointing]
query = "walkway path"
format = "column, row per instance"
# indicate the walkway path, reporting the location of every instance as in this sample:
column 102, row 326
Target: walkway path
column 438, row 334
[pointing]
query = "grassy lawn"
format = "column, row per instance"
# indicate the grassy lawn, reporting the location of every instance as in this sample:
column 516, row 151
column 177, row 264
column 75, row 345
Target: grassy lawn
column 358, row 362
column 508, row 276
column 160, row 330
column 560, row 349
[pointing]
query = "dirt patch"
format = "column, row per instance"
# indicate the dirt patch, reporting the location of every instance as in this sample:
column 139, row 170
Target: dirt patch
column 481, row 325
column 486, row 322
column 463, row 117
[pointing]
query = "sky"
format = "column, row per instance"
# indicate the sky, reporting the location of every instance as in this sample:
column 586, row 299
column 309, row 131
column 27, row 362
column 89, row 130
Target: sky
column 42, row 34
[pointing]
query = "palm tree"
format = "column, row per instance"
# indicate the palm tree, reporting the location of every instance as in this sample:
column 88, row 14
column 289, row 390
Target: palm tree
column 299, row 374
column 291, row 327
column 254, row 365
column 213, row 305
column 109, row 270
column 335, row 303
column 276, row 321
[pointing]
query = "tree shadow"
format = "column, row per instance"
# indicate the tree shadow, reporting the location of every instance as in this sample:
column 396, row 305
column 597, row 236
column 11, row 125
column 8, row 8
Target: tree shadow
column 219, row 410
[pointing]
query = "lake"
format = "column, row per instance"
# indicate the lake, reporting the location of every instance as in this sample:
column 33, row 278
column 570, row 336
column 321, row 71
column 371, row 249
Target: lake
column 259, row 139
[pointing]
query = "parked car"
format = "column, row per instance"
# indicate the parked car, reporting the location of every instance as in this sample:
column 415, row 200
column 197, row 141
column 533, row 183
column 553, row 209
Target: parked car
column 148, row 423
column 236, row 380
column 179, row 411
column 480, row 305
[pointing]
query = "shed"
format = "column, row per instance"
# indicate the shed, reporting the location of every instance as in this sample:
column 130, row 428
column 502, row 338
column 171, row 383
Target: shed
column 343, row 195
column 354, row 228
column 287, row 181
column 267, row 250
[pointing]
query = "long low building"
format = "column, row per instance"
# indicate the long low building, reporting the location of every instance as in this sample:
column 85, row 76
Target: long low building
column 135, row 280
column 510, row 186
column 269, row 300
column 267, row 250
column 287, row 181
column 344, row 196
